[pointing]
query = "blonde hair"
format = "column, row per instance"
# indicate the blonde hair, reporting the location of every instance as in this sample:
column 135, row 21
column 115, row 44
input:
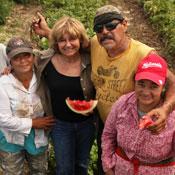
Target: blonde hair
column 71, row 26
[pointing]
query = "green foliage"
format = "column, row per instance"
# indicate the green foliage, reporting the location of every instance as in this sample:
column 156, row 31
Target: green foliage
column 81, row 9
column 5, row 8
column 93, row 160
column 162, row 16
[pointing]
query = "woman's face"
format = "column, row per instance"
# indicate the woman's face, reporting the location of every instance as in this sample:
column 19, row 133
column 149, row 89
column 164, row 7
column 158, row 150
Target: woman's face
column 148, row 94
column 69, row 45
column 22, row 63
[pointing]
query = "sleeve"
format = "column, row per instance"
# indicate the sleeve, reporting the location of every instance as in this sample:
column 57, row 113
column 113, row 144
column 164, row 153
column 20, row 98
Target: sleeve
column 3, row 53
column 109, row 140
column 7, row 120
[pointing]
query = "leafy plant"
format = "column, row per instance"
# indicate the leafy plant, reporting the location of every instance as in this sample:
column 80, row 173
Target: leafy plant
column 162, row 16
column 5, row 8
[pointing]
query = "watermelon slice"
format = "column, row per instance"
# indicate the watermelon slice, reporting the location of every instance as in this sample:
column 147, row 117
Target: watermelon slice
column 81, row 106
column 145, row 121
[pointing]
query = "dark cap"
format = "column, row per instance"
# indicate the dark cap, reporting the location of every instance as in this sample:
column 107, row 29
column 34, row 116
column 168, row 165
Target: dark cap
column 106, row 14
column 17, row 45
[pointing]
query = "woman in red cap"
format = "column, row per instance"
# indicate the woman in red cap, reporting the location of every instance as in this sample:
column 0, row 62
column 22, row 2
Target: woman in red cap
column 128, row 147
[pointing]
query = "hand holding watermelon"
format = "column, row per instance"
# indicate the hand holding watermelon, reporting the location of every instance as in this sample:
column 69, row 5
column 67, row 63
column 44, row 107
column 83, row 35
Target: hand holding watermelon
column 81, row 106
column 145, row 121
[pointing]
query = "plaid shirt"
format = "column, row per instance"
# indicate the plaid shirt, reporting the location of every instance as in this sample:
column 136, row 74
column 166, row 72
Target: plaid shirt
column 121, row 129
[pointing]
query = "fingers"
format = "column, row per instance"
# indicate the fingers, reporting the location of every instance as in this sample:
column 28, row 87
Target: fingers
column 40, row 16
column 158, row 126
column 43, row 123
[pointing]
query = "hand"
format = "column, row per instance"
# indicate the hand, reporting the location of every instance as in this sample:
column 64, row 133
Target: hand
column 40, row 27
column 6, row 71
column 161, row 115
column 43, row 122
column 109, row 172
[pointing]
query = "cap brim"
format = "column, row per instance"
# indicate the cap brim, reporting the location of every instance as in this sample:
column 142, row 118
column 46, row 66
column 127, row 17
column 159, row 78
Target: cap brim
column 18, row 51
column 150, row 76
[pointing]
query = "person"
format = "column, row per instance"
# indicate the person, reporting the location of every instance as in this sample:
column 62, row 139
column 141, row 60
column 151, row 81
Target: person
column 114, row 59
column 126, row 149
column 4, row 62
column 65, row 68
column 25, row 115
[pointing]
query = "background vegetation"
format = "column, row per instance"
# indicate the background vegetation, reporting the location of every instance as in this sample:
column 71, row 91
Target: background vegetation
column 162, row 15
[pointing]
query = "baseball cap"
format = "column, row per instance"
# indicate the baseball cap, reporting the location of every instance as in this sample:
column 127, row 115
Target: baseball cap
column 106, row 14
column 152, row 67
column 17, row 45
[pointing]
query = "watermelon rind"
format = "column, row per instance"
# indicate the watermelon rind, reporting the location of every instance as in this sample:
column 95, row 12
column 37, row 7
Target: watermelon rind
column 93, row 105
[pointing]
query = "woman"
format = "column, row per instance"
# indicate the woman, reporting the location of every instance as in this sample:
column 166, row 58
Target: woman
column 126, row 149
column 65, row 69
column 24, row 116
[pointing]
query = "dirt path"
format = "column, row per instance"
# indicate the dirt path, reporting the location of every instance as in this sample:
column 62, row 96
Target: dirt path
column 18, row 23
column 139, row 27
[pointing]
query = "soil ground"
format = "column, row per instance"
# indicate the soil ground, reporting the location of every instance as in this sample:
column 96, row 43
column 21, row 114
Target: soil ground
column 18, row 23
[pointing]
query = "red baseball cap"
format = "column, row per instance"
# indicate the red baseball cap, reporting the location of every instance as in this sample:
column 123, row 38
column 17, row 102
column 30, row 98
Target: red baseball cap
column 152, row 67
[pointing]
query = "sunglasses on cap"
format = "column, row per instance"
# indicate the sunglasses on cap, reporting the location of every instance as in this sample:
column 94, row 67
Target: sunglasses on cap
column 109, row 26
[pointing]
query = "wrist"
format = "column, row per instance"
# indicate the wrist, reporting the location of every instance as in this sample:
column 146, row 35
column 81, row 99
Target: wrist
column 47, row 33
column 168, row 107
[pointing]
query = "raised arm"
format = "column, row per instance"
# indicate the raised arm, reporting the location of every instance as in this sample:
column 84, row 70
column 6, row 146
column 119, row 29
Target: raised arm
column 167, row 107
column 40, row 26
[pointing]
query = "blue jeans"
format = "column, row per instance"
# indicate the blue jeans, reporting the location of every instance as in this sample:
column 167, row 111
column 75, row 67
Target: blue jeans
column 72, row 144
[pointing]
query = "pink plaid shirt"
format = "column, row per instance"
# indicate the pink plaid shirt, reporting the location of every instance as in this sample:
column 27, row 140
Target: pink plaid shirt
column 121, row 128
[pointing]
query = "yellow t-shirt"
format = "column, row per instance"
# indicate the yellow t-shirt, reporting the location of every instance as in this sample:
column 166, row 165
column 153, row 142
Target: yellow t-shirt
column 113, row 77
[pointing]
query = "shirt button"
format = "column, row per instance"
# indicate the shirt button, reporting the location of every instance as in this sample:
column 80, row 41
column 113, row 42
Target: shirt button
column 84, row 89
column 81, row 79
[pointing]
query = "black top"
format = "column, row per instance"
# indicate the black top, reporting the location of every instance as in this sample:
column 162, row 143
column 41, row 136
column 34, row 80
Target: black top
column 61, row 87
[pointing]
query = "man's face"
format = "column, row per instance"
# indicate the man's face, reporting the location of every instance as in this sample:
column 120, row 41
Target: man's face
column 111, row 34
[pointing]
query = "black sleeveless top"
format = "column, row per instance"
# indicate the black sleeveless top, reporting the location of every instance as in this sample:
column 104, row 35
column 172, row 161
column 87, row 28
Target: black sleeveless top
column 61, row 87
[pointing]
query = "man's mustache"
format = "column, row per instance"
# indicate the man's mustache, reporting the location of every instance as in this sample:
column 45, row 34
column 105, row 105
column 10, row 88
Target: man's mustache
column 105, row 37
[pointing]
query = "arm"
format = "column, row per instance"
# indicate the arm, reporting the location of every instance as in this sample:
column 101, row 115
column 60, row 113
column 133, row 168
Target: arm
column 109, row 142
column 40, row 26
column 167, row 107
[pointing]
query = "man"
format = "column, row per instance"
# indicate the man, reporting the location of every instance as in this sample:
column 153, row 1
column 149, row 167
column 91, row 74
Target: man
column 114, row 58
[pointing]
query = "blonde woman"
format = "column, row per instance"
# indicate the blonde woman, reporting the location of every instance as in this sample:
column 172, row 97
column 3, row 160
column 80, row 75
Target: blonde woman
column 65, row 68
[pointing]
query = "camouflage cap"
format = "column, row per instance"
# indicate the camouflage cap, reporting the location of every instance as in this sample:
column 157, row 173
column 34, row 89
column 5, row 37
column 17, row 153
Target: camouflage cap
column 107, row 9
column 107, row 14
column 17, row 45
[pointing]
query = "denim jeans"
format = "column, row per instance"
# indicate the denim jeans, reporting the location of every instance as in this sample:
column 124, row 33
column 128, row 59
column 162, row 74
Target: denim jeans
column 72, row 144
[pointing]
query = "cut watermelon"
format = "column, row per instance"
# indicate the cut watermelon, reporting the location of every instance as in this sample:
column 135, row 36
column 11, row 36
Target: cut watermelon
column 145, row 121
column 81, row 106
